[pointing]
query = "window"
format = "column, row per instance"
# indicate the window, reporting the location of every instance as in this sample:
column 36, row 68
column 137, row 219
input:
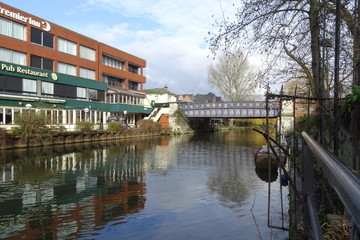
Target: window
column 40, row 62
column 66, row 68
column 133, row 85
column 12, row 29
column 66, row 46
column 29, row 86
column 66, row 91
column 113, row 62
column 93, row 94
column 87, row 73
column 47, row 88
column 87, row 53
column 42, row 38
column 133, row 69
column 12, row 56
column 112, row 81
column 81, row 93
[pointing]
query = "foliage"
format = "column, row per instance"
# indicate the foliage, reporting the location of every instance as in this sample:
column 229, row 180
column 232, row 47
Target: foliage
column 148, row 125
column 58, row 129
column 308, row 124
column 354, row 97
column 84, row 126
column 3, row 133
column 31, row 124
column 253, row 122
column 115, row 127
column 180, row 117
column 233, row 76
column 166, row 131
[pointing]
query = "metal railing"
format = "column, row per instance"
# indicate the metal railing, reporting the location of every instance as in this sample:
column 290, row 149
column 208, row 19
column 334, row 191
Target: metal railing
column 345, row 181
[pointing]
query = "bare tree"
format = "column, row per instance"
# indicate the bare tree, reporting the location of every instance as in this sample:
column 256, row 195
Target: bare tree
column 290, row 33
column 232, row 75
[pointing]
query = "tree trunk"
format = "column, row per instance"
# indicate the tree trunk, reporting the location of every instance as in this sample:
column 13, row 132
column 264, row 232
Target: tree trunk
column 355, row 113
column 315, row 46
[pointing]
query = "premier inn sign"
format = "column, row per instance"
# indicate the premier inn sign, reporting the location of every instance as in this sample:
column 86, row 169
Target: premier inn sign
column 18, row 16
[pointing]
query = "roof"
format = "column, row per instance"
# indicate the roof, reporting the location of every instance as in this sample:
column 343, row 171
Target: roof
column 201, row 98
column 158, row 91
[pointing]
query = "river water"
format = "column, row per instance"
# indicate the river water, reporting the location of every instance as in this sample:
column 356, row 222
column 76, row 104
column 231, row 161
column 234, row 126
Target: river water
column 202, row 186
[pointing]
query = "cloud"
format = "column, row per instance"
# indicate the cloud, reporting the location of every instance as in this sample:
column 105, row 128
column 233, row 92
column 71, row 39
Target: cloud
column 169, row 35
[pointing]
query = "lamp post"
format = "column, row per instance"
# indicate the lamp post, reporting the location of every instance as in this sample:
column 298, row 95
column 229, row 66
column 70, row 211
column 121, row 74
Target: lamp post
column 86, row 110
column 27, row 107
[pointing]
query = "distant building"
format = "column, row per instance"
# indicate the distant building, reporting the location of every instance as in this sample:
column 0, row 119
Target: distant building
column 160, row 96
column 199, row 98
column 161, row 99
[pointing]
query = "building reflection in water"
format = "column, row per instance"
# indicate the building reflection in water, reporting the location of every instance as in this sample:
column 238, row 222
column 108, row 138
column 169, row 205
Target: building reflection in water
column 81, row 190
column 45, row 194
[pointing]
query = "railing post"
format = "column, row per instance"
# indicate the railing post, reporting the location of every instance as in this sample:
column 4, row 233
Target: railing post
column 311, row 220
column 355, row 235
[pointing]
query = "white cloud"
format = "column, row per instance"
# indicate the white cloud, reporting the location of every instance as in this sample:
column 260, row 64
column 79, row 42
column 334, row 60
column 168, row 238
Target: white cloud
column 169, row 35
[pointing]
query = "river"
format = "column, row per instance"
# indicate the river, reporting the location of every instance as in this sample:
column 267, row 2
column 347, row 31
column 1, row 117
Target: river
column 201, row 186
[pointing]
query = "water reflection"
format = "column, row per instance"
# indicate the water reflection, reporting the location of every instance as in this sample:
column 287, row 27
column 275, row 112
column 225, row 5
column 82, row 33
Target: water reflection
column 264, row 174
column 63, row 190
column 152, row 188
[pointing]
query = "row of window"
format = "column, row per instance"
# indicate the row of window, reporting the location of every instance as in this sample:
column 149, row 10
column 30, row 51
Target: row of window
column 16, row 30
column 7, row 115
column 31, row 87
column 118, row 63
column 113, row 62
column 15, row 57
column 124, row 99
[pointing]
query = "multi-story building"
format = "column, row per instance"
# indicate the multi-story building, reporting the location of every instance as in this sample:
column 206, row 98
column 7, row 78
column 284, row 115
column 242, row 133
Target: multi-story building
column 71, row 77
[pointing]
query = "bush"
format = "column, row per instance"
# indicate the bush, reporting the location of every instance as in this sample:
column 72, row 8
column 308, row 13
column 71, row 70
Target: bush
column 3, row 133
column 84, row 126
column 31, row 124
column 148, row 125
column 115, row 127
column 180, row 117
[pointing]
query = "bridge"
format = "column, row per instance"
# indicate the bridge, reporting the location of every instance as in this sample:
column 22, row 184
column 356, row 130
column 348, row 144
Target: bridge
column 241, row 109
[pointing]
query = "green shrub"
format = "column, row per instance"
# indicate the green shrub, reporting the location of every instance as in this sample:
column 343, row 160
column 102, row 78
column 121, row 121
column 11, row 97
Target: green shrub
column 148, row 125
column 3, row 133
column 166, row 131
column 31, row 124
column 180, row 117
column 350, row 101
column 84, row 126
column 115, row 127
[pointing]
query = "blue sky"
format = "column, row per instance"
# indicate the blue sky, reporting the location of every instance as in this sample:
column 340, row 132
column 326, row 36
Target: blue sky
column 168, row 34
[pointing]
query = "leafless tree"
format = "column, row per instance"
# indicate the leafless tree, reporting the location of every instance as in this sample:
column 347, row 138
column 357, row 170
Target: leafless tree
column 291, row 33
column 233, row 76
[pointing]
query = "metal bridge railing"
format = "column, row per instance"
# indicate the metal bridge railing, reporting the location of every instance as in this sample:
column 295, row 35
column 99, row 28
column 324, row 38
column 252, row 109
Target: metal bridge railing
column 345, row 181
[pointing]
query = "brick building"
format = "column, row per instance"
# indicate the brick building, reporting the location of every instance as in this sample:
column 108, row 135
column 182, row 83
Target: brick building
column 71, row 77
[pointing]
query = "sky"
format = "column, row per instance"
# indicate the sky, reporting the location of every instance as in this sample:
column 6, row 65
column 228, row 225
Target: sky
column 168, row 34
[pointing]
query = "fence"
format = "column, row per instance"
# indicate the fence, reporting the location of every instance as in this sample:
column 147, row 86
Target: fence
column 345, row 182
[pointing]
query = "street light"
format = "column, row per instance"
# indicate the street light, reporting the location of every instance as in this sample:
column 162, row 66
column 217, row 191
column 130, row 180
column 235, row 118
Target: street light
column 125, row 112
column 27, row 107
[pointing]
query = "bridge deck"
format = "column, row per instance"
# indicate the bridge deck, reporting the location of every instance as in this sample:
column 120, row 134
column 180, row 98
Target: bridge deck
column 243, row 109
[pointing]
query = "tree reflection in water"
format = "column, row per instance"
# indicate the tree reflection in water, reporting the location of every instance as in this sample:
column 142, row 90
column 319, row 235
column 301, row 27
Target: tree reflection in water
column 151, row 188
